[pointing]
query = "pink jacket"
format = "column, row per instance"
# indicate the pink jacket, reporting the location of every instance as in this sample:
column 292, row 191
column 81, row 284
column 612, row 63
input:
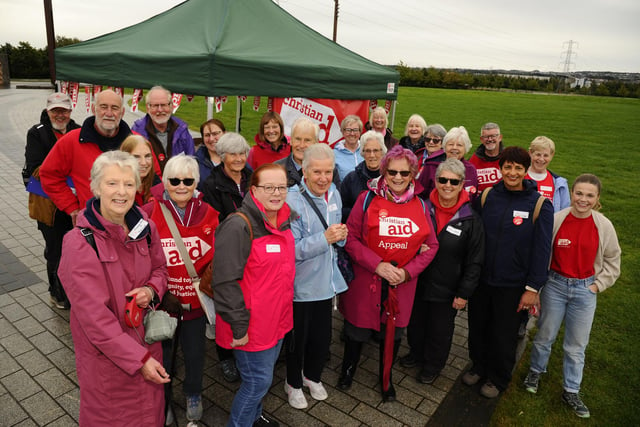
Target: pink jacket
column 360, row 305
column 109, row 354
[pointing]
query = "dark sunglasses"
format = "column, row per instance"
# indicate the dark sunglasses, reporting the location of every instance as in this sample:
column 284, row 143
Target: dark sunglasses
column 187, row 181
column 435, row 140
column 453, row 181
column 403, row 174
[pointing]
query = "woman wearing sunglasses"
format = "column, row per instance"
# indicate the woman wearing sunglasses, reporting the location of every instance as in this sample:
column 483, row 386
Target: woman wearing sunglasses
column 448, row 282
column 196, row 222
column 390, row 243
column 431, row 157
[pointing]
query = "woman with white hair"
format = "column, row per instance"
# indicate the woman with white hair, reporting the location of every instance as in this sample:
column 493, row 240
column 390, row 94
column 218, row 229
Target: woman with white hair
column 414, row 131
column 379, row 122
column 195, row 222
column 456, row 144
column 318, row 280
column 114, row 253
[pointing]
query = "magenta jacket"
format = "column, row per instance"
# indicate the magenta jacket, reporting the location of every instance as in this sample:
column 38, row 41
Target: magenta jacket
column 360, row 305
column 109, row 354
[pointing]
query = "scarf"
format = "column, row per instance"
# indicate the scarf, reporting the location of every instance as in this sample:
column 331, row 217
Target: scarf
column 444, row 215
column 379, row 186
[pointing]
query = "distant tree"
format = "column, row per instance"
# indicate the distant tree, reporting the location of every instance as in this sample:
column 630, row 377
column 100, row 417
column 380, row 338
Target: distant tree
column 62, row 41
column 26, row 62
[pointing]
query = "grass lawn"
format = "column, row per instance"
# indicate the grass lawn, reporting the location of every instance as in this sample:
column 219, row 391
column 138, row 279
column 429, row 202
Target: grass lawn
column 592, row 134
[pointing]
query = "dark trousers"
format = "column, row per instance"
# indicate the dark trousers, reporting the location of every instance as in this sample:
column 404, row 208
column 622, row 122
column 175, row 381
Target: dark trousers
column 430, row 332
column 493, row 332
column 307, row 345
column 192, row 341
column 53, row 251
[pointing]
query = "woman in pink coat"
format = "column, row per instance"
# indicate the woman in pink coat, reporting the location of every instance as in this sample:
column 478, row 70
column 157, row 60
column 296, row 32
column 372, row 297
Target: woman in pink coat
column 121, row 377
column 390, row 243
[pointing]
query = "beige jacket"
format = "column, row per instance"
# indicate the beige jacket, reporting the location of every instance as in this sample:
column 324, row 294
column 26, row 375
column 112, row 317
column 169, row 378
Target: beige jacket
column 607, row 263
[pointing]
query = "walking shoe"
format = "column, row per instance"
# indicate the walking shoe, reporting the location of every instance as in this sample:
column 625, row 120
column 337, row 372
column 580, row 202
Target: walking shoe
column 194, row 407
column 265, row 421
column 316, row 389
column 295, row 396
column 489, row 390
column 210, row 332
column 573, row 400
column 408, row 361
column 470, row 378
column 58, row 304
column 229, row 370
column 426, row 377
column 531, row 382
column 168, row 419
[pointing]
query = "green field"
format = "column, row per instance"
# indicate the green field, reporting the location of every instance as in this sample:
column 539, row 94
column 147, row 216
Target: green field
column 592, row 134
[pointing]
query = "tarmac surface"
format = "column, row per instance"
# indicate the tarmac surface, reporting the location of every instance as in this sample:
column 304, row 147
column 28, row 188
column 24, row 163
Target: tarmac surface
column 38, row 382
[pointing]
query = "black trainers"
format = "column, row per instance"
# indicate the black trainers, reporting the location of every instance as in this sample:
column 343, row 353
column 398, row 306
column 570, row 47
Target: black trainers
column 265, row 421
column 229, row 371
column 531, row 382
column 573, row 400
column 426, row 377
column 408, row 361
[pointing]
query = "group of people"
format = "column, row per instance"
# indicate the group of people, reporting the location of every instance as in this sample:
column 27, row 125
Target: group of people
column 425, row 232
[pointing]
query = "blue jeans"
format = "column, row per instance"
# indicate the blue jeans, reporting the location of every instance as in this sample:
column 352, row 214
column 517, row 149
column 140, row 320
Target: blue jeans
column 256, row 371
column 570, row 300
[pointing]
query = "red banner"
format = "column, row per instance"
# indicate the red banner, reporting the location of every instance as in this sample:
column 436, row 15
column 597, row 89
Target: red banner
column 87, row 98
column 74, row 88
column 64, row 87
column 327, row 113
column 372, row 105
column 270, row 104
column 176, row 99
column 387, row 106
column 135, row 99
column 256, row 103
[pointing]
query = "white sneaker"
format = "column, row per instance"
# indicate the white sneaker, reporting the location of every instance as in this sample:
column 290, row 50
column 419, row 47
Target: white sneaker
column 169, row 417
column 210, row 332
column 295, row 396
column 317, row 390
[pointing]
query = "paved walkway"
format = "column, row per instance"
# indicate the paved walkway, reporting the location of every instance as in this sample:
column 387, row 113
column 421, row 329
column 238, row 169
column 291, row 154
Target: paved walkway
column 38, row 383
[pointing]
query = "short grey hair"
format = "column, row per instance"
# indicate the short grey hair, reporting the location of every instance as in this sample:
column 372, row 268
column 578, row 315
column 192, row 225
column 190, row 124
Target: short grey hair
column 181, row 164
column 489, row 126
column 375, row 136
column 317, row 152
column 232, row 143
column 454, row 166
column 455, row 134
column 112, row 158
column 352, row 118
column 436, row 129
column 159, row 88
column 303, row 122
column 418, row 118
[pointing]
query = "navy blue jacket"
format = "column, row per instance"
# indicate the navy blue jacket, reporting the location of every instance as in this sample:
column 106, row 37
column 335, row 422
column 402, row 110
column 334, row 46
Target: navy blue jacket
column 352, row 185
column 517, row 251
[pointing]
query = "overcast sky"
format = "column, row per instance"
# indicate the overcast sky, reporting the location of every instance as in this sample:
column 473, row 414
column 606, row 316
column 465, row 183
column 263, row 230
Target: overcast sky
column 498, row 34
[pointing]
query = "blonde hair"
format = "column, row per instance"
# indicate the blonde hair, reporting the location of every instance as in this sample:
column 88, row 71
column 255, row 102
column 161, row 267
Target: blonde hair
column 128, row 145
column 539, row 143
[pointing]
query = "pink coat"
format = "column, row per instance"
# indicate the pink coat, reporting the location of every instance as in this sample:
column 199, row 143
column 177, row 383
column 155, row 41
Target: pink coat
column 109, row 354
column 360, row 305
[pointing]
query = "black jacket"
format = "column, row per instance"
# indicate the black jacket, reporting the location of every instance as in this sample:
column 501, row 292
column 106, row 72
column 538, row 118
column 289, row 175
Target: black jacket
column 40, row 140
column 221, row 192
column 353, row 184
column 455, row 270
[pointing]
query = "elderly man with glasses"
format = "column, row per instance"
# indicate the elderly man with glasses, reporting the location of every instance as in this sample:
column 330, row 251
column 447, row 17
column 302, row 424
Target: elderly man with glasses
column 487, row 156
column 167, row 134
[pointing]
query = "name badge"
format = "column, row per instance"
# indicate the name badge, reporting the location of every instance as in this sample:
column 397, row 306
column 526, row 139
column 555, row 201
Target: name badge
column 333, row 207
column 135, row 231
column 273, row 249
column 546, row 188
column 521, row 214
column 454, row 231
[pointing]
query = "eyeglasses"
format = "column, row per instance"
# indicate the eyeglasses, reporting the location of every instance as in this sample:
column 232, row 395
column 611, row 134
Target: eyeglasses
column 176, row 181
column 270, row 189
column 351, row 130
column 453, row 181
column 376, row 151
column 435, row 140
column 495, row 136
column 156, row 106
column 403, row 174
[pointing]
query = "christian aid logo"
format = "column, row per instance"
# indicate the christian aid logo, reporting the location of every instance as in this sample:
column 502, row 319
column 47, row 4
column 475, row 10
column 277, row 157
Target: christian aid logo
column 489, row 175
column 324, row 116
column 196, row 248
column 397, row 227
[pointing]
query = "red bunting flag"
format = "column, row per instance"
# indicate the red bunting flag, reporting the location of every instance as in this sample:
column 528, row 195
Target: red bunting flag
column 256, row 103
column 270, row 104
column 373, row 104
column 87, row 98
column 387, row 105
column 119, row 91
column 190, row 98
column 74, row 88
column 135, row 99
column 218, row 101
column 176, row 99
column 242, row 98
column 64, row 87
column 96, row 90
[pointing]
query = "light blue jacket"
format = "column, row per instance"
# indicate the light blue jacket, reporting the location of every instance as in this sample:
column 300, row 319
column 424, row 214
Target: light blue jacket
column 561, row 197
column 346, row 161
column 317, row 275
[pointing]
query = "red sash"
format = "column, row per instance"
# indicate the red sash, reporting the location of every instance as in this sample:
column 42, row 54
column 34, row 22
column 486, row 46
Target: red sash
column 396, row 231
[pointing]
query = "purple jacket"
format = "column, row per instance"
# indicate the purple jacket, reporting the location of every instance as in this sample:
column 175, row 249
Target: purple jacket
column 109, row 354
column 182, row 142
